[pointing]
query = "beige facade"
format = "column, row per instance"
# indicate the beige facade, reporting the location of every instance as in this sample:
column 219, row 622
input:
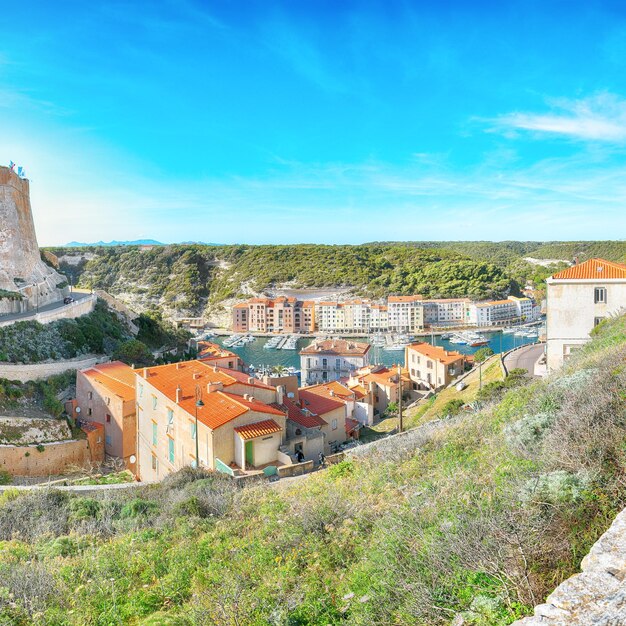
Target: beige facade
column 274, row 315
column 579, row 298
column 105, row 394
column 332, row 359
column 431, row 367
column 235, row 429
column 405, row 314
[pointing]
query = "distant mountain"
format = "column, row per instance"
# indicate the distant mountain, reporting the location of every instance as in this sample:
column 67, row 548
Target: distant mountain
column 137, row 242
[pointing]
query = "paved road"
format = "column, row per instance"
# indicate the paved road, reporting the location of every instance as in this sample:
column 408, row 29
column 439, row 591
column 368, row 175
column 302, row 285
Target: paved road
column 524, row 358
column 77, row 295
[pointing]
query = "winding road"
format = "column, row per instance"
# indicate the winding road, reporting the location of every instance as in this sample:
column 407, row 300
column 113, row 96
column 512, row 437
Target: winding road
column 525, row 358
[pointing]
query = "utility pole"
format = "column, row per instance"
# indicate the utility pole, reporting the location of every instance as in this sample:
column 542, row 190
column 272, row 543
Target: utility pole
column 480, row 375
column 199, row 404
column 400, row 425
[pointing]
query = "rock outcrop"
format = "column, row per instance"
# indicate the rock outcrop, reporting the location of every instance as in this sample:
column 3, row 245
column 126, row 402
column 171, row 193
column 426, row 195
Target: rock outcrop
column 21, row 269
column 596, row 596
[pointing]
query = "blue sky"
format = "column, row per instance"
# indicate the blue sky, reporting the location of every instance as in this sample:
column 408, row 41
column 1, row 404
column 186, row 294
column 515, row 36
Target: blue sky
column 338, row 122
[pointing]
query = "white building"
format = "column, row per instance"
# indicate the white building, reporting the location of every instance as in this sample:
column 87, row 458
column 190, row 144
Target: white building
column 579, row 298
column 447, row 312
column 503, row 312
column 405, row 314
column 332, row 359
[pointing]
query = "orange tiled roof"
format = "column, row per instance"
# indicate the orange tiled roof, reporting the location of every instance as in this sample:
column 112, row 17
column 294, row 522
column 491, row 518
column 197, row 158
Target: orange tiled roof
column 318, row 404
column 404, row 298
column 332, row 389
column 219, row 406
column 208, row 350
column 494, row 302
column 435, row 352
column 259, row 429
column 241, row 305
column 341, row 347
column 297, row 415
column 116, row 376
column 593, row 269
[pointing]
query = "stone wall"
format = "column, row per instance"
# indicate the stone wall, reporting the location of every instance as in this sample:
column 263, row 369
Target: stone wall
column 84, row 306
column 41, row 371
column 595, row 596
column 54, row 459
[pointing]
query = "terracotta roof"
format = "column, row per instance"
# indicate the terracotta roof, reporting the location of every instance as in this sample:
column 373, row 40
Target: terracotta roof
column 219, row 406
column 404, row 298
column 116, row 376
column 318, row 404
column 435, row 352
column 259, row 429
column 297, row 415
column 593, row 269
column 494, row 302
column 332, row 389
column 208, row 350
column 446, row 300
column 340, row 347
column 351, row 425
column 241, row 305
column 359, row 391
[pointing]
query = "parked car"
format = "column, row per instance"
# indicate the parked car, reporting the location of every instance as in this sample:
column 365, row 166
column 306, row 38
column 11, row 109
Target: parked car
column 68, row 300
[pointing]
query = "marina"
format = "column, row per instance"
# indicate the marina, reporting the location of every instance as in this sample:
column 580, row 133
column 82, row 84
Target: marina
column 387, row 349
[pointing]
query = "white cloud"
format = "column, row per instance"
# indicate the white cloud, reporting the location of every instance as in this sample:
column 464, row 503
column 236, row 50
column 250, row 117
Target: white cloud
column 598, row 118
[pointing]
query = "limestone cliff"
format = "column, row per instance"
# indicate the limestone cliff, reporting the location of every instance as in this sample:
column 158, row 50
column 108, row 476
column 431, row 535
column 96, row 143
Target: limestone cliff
column 21, row 267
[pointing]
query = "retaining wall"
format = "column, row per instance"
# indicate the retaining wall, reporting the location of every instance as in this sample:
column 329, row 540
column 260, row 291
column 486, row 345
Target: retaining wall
column 55, row 458
column 41, row 371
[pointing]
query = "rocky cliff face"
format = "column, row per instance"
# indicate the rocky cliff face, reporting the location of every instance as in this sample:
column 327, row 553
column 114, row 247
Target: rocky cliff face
column 21, row 267
column 596, row 596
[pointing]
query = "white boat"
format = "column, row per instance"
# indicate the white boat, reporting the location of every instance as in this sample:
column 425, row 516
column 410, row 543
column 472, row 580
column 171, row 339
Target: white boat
column 508, row 331
column 395, row 347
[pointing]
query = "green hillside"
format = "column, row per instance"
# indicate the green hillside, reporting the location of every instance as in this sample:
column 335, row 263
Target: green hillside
column 187, row 278
column 482, row 515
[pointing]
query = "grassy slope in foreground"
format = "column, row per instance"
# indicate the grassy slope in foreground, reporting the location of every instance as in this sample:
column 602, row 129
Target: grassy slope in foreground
column 484, row 519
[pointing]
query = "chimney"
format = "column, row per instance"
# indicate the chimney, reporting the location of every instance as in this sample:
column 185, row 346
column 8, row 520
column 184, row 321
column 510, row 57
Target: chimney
column 215, row 368
column 179, row 394
column 216, row 386
column 196, row 375
column 280, row 394
column 245, row 396
column 251, row 381
column 332, row 393
column 145, row 372
column 178, row 365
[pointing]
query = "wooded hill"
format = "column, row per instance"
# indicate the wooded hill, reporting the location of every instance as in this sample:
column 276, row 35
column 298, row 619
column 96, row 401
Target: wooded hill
column 187, row 278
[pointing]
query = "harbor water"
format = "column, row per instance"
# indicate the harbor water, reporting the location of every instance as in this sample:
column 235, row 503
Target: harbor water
column 255, row 354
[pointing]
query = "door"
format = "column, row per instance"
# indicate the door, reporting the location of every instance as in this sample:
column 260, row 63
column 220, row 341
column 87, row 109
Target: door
column 249, row 454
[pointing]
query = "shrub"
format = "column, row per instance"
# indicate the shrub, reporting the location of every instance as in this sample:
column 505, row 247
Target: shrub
column 5, row 477
column 138, row 508
column 452, row 407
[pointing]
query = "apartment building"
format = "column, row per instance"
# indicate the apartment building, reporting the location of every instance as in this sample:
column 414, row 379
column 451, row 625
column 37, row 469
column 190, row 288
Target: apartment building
column 379, row 385
column 579, row 298
column 105, row 394
column 503, row 312
column 405, row 314
column 269, row 315
column 379, row 318
column 237, row 426
column 431, row 367
column 447, row 312
column 331, row 359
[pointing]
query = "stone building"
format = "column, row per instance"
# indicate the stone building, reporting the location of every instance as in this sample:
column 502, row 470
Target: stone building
column 431, row 367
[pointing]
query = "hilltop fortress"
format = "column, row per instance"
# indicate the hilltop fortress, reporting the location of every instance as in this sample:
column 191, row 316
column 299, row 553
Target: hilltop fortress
column 25, row 280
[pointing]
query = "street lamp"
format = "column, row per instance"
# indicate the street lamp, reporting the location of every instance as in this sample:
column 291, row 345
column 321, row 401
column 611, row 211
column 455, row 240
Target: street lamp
column 199, row 404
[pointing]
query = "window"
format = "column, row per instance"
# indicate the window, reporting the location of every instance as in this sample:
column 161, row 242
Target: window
column 170, row 417
column 108, row 418
column 193, row 429
column 599, row 295
column 90, row 395
column 140, row 390
column 88, row 411
column 429, row 364
column 338, row 363
column 170, row 449
column 334, row 424
column 155, row 463
column 154, row 402
column 324, row 363
column 154, row 434
column 107, row 440
column 597, row 320
column 108, row 401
